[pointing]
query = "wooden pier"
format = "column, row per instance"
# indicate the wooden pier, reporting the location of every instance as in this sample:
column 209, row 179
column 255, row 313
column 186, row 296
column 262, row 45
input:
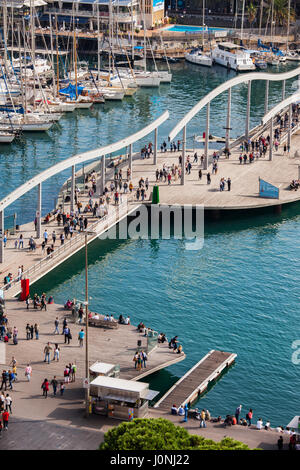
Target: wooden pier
column 197, row 379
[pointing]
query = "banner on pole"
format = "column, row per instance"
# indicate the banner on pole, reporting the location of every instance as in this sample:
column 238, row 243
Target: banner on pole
column 268, row 190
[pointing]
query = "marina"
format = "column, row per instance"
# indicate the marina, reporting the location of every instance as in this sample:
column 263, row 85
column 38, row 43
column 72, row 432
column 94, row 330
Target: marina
column 106, row 130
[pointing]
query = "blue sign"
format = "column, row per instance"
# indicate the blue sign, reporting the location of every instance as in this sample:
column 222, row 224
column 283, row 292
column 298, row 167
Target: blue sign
column 268, row 190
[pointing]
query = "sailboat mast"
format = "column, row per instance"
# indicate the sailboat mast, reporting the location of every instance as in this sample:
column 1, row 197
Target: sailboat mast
column 12, row 31
column 52, row 55
column 288, row 25
column 20, row 63
column 98, row 41
column 75, row 63
column 203, row 22
column 57, row 57
column 132, row 33
column 144, row 26
column 272, row 19
column 110, row 37
column 25, row 73
column 5, row 30
column 242, row 25
column 32, row 48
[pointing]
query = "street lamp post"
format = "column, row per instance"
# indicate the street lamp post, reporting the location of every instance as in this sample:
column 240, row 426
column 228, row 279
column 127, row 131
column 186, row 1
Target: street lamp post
column 87, row 390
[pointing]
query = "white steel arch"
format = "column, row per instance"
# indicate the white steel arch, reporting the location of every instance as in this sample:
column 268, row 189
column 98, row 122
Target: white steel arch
column 280, row 106
column 249, row 77
column 81, row 158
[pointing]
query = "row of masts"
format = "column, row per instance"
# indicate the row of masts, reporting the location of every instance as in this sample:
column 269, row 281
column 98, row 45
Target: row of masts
column 33, row 96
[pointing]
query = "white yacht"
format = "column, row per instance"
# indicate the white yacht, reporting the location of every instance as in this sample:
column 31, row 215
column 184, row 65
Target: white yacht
column 233, row 57
column 196, row 56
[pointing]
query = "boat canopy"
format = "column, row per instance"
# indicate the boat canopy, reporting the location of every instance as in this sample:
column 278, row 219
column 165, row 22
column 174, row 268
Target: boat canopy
column 71, row 91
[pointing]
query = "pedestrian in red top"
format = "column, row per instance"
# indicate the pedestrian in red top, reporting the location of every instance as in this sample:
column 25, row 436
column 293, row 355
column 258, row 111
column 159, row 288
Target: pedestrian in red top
column 5, row 416
column 45, row 387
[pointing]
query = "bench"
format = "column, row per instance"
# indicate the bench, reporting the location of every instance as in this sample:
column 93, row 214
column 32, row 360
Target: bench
column 103, row 323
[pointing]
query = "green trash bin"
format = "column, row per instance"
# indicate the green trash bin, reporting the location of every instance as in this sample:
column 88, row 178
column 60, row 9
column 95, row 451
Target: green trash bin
column 155, row 195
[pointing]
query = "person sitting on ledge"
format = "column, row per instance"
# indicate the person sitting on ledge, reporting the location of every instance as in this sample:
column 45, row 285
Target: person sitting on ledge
column 174, row 410
column 47, row 218
column 51, row 300
column 105, row 318
column 68, row 305
column 259, row 424
column 161, row 338
column 181, row 411
column 141, row 326
column 122, row 320
column 127, row 321
column 179, row 349
column 228, row 421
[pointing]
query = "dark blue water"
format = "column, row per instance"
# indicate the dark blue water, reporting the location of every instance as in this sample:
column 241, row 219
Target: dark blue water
column 240, row 293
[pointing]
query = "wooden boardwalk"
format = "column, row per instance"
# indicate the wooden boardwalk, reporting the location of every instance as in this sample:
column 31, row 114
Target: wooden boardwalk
column 197, row 379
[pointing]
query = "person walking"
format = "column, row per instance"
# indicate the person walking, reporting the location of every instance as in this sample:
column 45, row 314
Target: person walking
column 36, row 330
column 208, row 178
column 8, row 402
column 45, row 388
column 81, row 338
column 68, row 336
column 4, row 380
column 28, row 331
column 202, row 419
column 228, row 184
column 54, row 384
column 249, row 416
column 45, row 237
column 135, row 359
column 5, row 417
column 28, row 372
column 73, row 371
column 56, row 323
column 21, row 242
column 47, row 350
column 144, row 358
column 200, row 174
column 56, row 352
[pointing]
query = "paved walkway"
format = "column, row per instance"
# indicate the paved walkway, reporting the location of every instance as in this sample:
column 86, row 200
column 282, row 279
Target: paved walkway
column 116, row 346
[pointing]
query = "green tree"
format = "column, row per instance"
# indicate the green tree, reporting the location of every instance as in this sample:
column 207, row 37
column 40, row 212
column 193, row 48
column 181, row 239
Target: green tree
column 251, row 10
column 161, row 434
column 281, row 12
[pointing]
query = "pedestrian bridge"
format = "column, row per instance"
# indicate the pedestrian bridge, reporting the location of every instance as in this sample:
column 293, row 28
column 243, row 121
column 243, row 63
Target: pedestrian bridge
column 227, row 86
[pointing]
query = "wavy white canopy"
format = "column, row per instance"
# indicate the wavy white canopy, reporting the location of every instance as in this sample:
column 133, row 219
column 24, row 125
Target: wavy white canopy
column 81, row 158
column 225, row 86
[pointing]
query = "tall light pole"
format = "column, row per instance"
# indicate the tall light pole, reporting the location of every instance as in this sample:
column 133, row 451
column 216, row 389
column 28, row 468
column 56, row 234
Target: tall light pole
column 87, row 390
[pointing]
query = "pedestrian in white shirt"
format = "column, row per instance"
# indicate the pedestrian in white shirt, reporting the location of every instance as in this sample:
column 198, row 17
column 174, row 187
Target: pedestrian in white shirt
column 28, row 372
column 259, row 424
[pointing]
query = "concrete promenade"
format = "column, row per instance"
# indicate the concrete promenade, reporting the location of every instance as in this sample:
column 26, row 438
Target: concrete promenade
column 244, row 193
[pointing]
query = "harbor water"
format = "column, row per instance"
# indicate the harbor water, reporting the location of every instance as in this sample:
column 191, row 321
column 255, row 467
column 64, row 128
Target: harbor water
column 238, row 294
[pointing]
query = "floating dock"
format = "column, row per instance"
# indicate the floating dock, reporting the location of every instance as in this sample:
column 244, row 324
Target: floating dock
column 197, row 379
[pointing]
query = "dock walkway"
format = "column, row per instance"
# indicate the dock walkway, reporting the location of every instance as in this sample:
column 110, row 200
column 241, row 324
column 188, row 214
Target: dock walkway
column 197, row 379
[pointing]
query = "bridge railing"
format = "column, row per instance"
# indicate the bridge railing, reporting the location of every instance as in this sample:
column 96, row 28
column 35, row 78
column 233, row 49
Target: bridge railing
column 99, row 226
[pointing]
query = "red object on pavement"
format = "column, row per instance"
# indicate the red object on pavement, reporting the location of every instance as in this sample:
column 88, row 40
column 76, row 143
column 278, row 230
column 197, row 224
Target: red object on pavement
column 25, row 289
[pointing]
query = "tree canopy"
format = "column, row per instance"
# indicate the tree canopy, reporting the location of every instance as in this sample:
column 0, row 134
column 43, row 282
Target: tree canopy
column 161, row 434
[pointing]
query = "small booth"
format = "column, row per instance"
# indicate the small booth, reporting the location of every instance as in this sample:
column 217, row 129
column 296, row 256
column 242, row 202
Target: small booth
column 119, row 398
column 103, row 369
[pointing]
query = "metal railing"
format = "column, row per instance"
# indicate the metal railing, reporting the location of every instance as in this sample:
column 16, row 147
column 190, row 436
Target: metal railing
column 101, row 225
